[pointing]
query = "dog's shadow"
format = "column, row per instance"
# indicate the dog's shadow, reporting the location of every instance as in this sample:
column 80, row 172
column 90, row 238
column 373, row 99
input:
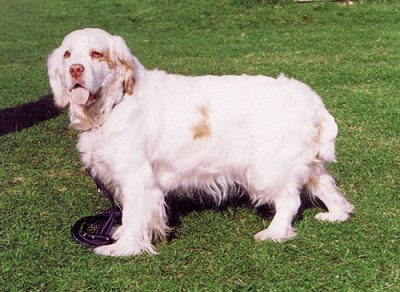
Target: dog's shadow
column 180, row 203
column 27, row 115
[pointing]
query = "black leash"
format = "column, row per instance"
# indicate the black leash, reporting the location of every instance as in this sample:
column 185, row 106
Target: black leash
column 94, row 231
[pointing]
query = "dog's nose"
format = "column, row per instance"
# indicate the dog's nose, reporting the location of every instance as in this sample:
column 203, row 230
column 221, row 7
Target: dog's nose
column 76, row 70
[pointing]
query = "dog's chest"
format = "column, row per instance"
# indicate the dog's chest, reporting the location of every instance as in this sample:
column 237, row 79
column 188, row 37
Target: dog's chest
column 94, row 153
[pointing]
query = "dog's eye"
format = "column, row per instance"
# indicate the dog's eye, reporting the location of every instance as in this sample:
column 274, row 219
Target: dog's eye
column 96, row 55
column 67, row 54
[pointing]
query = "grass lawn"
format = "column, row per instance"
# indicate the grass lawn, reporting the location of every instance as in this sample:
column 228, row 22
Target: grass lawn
column 348, row 54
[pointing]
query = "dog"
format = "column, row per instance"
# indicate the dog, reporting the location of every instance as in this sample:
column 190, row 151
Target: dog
column 147, row 132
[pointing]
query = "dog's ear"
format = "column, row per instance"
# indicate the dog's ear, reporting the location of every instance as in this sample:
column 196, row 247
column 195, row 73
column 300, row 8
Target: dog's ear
column 54, row 70
column 122, row 56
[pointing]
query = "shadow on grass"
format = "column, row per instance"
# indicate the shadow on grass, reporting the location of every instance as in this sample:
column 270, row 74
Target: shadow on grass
column 27, row 115
column 180, row 203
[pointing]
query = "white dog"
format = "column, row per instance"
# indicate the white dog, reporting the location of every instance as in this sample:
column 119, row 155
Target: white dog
column 147, row 132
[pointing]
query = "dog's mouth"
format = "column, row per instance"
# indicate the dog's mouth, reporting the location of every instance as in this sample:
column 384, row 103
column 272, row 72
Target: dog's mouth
column 82, row 96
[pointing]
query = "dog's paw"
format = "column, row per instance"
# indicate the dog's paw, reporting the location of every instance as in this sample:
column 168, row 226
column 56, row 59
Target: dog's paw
column 275, row 235
column 332, row 217
column 116, row 249
column 124, row 248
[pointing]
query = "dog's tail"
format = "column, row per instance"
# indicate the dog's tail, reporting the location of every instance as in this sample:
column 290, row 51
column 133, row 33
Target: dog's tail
column 326, row 127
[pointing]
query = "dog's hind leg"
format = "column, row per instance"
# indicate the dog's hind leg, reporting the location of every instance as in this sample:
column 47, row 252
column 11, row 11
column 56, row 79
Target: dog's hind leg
column 323, row 186
column 287, row 203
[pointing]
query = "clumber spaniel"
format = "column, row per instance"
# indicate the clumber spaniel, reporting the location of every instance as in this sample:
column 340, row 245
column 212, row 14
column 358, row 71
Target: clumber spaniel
column 147, row 132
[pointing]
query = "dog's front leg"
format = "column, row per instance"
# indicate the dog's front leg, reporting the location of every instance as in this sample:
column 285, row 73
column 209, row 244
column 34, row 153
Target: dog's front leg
column 143, row 215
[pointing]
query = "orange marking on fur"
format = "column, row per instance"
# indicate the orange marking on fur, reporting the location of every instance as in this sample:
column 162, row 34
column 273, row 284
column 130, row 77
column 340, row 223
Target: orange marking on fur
column 317, row 139
column 129, row 81
column 313, row 182
column 202, row 129
column 106, row 58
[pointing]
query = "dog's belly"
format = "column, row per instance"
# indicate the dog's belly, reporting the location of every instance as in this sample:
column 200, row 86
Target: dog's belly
column 212, row 178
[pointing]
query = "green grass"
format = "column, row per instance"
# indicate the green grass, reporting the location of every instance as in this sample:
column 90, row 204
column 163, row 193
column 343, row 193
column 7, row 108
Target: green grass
column 349, row 54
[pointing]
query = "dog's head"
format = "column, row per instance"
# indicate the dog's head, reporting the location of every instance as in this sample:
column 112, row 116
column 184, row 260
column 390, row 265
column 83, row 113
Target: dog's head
column 86, row 64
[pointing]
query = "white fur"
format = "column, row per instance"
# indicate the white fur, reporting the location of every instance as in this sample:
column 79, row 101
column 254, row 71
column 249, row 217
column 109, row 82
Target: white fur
column 150, row 132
